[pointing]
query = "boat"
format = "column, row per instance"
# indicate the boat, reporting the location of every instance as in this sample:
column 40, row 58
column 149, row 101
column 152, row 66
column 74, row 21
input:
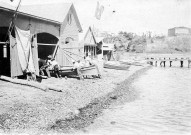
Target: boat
column 116, row 65
column 91, row 70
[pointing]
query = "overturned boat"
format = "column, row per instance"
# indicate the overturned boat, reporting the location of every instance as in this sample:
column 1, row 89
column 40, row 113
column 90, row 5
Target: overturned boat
column 116, row 65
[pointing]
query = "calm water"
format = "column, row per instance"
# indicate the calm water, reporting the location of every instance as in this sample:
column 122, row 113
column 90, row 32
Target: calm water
column 164, row 106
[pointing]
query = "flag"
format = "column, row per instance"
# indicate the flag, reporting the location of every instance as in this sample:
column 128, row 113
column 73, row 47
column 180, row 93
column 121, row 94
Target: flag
column 99, row 11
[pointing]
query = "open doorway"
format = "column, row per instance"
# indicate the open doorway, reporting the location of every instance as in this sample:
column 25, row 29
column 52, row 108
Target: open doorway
column 4, row 52
column 46, row 44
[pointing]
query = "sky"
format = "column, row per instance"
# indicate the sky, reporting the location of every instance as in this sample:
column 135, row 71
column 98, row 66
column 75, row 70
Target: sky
column 138, row 16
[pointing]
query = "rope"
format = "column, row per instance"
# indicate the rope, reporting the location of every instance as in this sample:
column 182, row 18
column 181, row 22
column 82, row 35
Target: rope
column 70, row 56
column 13, row 19
column 72, row 53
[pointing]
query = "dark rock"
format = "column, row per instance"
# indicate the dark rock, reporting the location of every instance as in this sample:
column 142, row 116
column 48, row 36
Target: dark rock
column 113, row 122
column 114, row 97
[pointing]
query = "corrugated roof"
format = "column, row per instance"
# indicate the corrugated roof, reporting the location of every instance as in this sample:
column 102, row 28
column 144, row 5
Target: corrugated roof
column 56, row 12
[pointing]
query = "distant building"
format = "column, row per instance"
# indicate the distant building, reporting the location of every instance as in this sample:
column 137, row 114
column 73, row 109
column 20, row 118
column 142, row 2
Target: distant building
column 90, row 43
column 176, row 31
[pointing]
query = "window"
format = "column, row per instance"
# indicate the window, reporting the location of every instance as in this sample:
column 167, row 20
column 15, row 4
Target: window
column 68, row 40
column 69, row 18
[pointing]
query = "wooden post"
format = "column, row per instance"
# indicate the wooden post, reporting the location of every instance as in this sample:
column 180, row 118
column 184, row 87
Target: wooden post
column 181, row 62
column 189, row 61
column 84, row 50
column 56, row 48
column 87, row 49
column 164, row 62
column 94, row 51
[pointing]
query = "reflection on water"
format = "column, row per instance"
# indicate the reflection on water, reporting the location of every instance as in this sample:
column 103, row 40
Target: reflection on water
column 164, row 106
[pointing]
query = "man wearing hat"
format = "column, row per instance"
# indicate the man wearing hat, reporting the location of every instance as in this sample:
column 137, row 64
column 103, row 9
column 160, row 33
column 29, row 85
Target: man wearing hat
column 43, row 67
column 77, row 66
column 53, row 65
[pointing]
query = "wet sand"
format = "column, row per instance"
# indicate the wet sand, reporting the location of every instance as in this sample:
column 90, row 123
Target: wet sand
column 123, row 93
column 162, row 107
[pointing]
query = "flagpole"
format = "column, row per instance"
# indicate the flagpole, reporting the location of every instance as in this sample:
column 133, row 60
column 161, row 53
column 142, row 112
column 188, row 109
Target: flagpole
column 98, row 13
column 14, row 17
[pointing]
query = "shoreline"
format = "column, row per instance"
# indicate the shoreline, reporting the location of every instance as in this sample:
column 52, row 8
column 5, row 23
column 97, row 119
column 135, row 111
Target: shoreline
column 123, row 93
column 31, row 111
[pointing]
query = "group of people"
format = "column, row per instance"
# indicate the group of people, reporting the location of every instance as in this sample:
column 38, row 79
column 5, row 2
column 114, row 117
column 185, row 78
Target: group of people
column 79, row 64
column 50, row 64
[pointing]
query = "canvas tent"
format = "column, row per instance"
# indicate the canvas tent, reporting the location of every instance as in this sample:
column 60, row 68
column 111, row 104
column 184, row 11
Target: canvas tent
column 48, row 24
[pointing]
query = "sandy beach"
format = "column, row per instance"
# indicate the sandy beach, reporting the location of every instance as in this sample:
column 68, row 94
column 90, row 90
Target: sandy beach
column 106, row 67
column 29, row 110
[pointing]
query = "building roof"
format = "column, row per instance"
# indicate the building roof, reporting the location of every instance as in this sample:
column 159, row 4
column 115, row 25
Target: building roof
column 182, row 27
column 89, row 38
column 56, row 12
column 4, row 5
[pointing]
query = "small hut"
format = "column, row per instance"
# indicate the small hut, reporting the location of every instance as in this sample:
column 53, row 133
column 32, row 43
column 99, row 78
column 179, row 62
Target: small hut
column 104, row 50
column 90, row 43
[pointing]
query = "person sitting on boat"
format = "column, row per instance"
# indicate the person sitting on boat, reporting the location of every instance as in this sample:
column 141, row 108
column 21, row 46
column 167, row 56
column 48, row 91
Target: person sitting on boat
column 77, row 67
column 88, row 60
column 86, row 63
column 43, row 67
column 81, row 64
column 75, row 64
column 53, row 65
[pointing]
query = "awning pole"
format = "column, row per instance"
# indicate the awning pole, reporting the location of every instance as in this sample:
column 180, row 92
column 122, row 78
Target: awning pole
column 14, row 18
column 4, row 42
column 47, row 44
column 56, row 48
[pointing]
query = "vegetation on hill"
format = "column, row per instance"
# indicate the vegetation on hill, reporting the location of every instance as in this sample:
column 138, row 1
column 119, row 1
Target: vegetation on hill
column 169, row 44
column 132, row 42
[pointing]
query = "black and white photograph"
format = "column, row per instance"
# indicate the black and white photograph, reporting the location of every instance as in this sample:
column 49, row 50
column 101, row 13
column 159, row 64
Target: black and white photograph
column 95, row 67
